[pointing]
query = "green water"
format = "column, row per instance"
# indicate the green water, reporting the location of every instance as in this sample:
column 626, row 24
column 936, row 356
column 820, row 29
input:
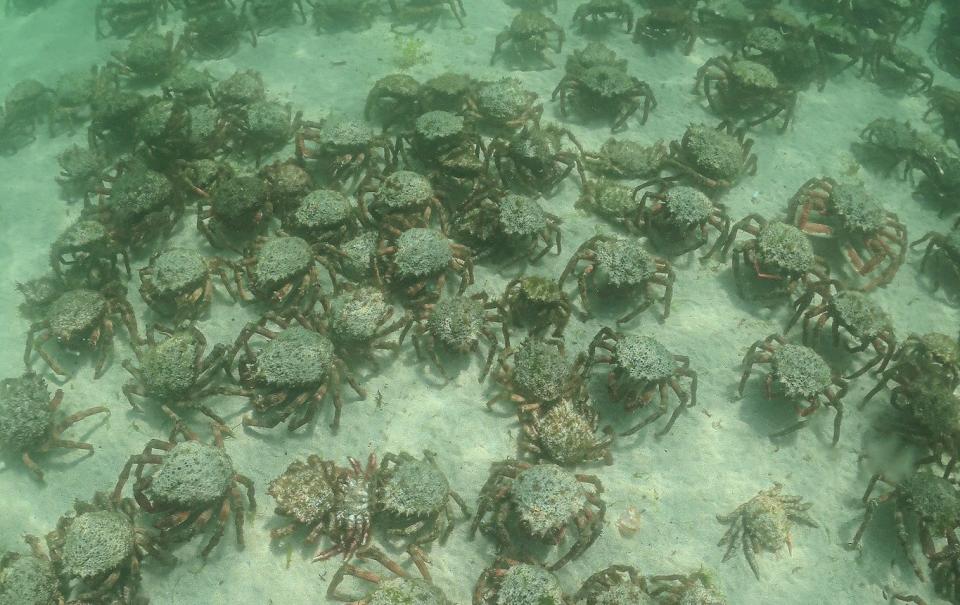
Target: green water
column 661, row 494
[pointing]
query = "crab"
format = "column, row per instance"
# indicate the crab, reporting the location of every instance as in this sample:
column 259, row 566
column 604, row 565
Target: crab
column 698, row 588
column 419, row 260
column 537, row 303
column 615, row 584
column 191, row 483
column 97, row 550
column 889, row 17
column 945, row 569
column 458, row 325
column 346, row 149
column 149, row 57
column 282, row 272
column 930, row 499
column 402, row 200
column 625, row 159
column 511, row 581
column 304, row 494
column 799, row 375
column 413, row 503
column 565, row 433
column 612, row 201
column 921, row 358
column 889, row 142
column 504, row 105
column 642, row 368
column 716, row 158
column 350, row 521
column 178, row 282
column 28, row 103
column 29, row 579
column 120, row 18
column 835, row 40
column 140, row 204
column 864, row 323
column 594, row 54
column 763, row 523
column 447, row 146
column 449, row 91
column 743, row 88
column 541, row 375
column 621, row 266
column 596, row 14
column 783, row 42
column 289, row 377
column 534, row 5
column 927, row 417
column 174, row 372
column 541, row 502
column 607, row 90
column 239, row 90
column 72, row 94
column 266, row 126
column 358, row 322
column 333, row 16
column 531, row 34
column 189, row 85
column 397, row 590
column 535, row 159
column 38, row 293
column 164, row 128
column 289, row 185
column 511, row 223
column 945, row 103
column 942, row 253
column 723, row 21
column 394, row 99
column 81, row 172
column 31, row 422
column 941, row 182
column 889, row 62
column 777, row 262
column 216, row 33
column 677, row 218
column 88, row 252
column 356, row 259
column 238, row 208
column 424, row 14
column 873, row 238
column 323, row 216
column 664, row 27
column 112, row 116
column 269, row 14
column 946, row 44
column 80, row 319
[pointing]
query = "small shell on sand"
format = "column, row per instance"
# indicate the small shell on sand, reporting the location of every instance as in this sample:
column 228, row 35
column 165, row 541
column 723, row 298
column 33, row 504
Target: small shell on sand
column 629, row 522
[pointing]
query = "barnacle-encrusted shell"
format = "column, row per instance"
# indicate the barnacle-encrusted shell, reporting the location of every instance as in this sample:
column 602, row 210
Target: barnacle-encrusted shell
column 176, row 269
column 540, row 369
column 192, row 474
column 303, row 491
column 643, row 359
column 96, row 543
column 786, row 247
column 414, row 488
column 296, row 358
column 801, row 372
column 525, row 584
column 422, row 252
column 546, row 497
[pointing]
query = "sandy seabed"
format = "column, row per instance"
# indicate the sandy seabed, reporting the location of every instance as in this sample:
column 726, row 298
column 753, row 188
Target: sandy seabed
column 717, row 455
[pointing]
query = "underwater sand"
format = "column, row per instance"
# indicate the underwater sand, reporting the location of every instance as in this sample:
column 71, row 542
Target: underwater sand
column 717, row 455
